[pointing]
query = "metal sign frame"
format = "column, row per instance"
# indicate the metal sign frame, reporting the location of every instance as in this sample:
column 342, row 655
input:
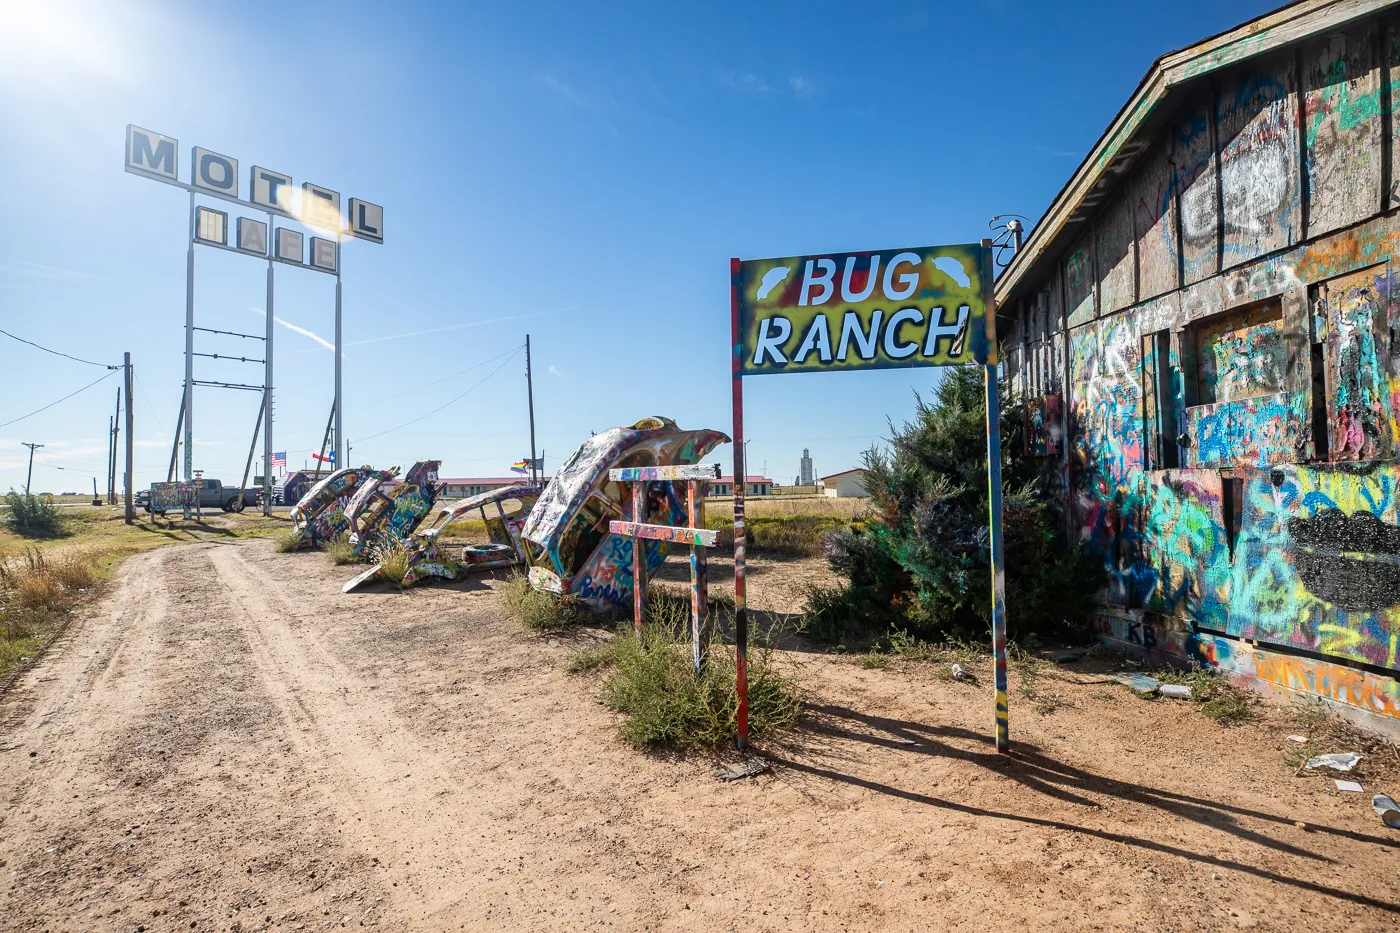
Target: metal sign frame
column 982, row 352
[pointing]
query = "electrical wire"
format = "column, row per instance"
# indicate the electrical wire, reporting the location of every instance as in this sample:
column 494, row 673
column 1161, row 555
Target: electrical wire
column 55, row 352
column 154, row 416
column 64, row 399
column 440, row 407
column 425, row 385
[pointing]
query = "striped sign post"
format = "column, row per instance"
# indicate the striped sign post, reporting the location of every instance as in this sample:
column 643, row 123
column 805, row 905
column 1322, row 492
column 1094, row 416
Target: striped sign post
column 694, row 478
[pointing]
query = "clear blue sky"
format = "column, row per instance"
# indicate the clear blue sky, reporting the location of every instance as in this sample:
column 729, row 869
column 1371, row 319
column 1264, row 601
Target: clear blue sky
column 580, row 171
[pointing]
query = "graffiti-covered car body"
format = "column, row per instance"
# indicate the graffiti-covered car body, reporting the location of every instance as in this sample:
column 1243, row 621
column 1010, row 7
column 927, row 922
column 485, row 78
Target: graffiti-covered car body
column 503, row 511
column 383, row 510
column 320, row 515
column 567, row 541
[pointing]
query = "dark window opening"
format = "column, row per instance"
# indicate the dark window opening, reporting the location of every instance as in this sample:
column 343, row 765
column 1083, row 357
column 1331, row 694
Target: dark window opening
column 1319, row 402
column 1231, row 504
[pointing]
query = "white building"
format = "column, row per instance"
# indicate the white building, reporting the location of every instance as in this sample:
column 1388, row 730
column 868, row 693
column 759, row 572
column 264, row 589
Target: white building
column 847, row 485
column 805, row 475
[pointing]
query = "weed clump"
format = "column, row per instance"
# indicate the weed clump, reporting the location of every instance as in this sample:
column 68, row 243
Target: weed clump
column 392, row 558
column 654, row 685
column 538, row 610
column 341, row 551
column 33, row 516
column 288, row 541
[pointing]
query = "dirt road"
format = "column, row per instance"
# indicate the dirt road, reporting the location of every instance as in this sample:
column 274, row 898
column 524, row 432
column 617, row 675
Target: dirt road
column 228, row 742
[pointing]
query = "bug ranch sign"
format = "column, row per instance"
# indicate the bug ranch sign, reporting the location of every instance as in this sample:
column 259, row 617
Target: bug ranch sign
column 886, row 309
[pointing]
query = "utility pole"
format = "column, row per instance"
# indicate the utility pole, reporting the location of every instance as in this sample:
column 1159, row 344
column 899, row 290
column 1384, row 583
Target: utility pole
column 116, row 438
column 530, row 392
column 30, row 475
column 111, row 456
column 130, row 429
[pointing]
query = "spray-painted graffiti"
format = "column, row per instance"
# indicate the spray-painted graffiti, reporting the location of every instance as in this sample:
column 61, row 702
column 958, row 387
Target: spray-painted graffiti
column 320, row 515
column 1251, row 432
column 573, row 550
column 1260, row 194
column 381, row 511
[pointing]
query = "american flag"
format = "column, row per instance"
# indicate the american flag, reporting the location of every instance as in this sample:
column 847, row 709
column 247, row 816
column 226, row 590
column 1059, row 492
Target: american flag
column 279, row 458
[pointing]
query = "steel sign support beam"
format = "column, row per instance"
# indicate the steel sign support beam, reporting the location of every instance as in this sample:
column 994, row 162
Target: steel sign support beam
column 267, row 386
column 741, row 617
column 341, row 455
column 189, row 348
column 998, row 561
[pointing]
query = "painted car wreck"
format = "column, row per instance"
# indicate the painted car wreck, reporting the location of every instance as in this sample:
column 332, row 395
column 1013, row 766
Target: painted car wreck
column 502, row 510
column 382, row 510
column 568, row 545
column 320, row 515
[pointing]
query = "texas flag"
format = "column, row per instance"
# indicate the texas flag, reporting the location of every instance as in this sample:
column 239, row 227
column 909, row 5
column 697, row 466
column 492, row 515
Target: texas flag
column 328, row 458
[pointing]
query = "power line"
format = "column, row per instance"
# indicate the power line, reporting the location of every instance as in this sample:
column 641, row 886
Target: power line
column 154, row 416
column 425, row 385
column 440, row 407
column 64, row 399
column 55, row 353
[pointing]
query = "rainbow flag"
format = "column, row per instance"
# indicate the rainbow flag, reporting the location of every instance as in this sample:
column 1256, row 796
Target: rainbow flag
column 520, row 466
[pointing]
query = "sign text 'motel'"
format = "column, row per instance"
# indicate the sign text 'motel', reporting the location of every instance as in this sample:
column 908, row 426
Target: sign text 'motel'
column 925, row 306
column 156, row 156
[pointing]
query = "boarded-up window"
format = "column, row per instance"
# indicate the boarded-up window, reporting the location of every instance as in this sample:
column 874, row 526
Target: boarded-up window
column 1358, row 366
column 1342, row 114
column 1257, row 129
column 1241, row 355
column 1079, row 282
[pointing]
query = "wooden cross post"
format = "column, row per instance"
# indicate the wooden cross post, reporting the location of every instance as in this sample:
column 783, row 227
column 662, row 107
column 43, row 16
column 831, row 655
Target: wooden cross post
column 699, row 538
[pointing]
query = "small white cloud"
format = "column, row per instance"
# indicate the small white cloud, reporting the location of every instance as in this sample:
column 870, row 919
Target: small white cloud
column 801, row 86
column 554, row 372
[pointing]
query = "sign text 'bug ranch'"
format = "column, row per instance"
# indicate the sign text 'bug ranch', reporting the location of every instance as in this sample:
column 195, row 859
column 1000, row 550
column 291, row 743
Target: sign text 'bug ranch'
column 157, row 156
column 866, row 310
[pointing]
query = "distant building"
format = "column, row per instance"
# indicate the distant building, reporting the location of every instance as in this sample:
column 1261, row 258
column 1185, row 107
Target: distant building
column 753, row 486
column 847, row 485
column 465, row 487
column 805, row 475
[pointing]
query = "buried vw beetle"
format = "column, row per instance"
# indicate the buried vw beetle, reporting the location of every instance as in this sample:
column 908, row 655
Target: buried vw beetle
column 320, row 515
column 567, row 542
column 503, row 512
column 385, row 511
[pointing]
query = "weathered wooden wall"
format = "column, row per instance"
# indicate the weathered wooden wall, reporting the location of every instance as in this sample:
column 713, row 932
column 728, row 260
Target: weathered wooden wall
column 1223, row 348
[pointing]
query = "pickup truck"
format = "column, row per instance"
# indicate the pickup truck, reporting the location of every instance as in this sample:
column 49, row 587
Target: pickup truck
column 212, row 493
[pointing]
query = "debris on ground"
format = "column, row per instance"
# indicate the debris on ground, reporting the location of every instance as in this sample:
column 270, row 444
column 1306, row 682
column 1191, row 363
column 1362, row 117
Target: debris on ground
column 746, row 768
column 1176, row 691
column 1352, row 786
column 1140, row 683
column 1068, row 655
column 1300, row 739
column 1387, row 810
column 960, row 673
column 1337, row 761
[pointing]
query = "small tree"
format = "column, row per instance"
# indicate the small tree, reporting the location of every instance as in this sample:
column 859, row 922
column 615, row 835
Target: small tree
column 923, row 561
column 32, row 516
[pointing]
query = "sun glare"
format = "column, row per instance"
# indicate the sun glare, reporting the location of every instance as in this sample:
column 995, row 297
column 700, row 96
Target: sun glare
column 56, row 40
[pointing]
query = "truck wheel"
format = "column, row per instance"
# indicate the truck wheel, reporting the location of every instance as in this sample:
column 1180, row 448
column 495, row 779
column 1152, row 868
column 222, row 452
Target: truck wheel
column 236, row 505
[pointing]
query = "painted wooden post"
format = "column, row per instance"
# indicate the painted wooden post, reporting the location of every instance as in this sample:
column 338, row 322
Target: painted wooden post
column 741, row 618
column 639, row 559
column 699, row 592
column 998, row 562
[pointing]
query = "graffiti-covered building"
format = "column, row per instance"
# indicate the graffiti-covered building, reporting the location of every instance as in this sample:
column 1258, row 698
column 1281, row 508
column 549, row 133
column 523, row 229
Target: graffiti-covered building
column 1203, row 322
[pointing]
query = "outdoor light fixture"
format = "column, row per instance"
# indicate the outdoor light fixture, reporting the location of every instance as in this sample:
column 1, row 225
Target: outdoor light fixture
column 289, row 245
column 323, row 254
column 252, row 236
column 211, row 226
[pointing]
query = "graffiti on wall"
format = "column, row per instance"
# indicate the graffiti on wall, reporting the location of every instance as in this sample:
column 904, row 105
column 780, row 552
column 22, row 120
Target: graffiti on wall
column 1363, row 396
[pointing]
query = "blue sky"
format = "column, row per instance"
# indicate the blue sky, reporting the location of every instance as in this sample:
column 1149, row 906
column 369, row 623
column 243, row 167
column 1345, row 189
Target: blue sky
column 581, row 172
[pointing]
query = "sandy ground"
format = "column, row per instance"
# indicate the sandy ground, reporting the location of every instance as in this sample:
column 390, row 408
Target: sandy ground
column 228, row 742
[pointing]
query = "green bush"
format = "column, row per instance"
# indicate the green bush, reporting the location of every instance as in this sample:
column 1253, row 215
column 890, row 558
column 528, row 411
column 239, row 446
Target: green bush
column 32, row 516
column 921, row 563
column 654, row 685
